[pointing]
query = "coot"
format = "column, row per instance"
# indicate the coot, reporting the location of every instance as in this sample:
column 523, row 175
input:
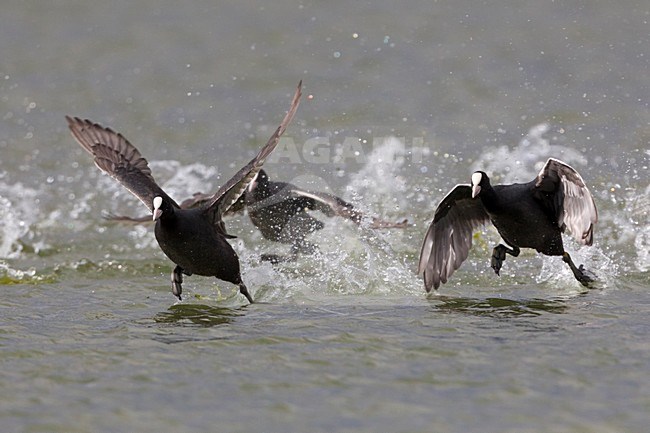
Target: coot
column 194, row 239
column 526, row 215
column 280, row 211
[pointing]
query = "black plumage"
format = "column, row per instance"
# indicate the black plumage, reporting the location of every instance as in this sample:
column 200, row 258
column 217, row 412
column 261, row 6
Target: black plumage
column 281, row 211
column 195, row 239
column 527, row 215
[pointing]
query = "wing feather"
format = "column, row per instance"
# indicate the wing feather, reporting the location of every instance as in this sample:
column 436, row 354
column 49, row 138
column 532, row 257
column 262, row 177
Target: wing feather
column 115, row 156
column 448, row 239
column 329, row 204
column 332, row 205
column 230, row 192
column 574, row 206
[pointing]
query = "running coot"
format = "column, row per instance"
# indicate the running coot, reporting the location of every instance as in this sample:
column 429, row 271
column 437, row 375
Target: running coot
column 527, row 215
column 194, row 239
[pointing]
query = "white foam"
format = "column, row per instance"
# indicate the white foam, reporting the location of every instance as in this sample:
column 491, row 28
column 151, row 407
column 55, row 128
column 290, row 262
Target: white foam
column 522, row 162
column 350, row 260
column 638, row 220
column 378, row 184
column 181, row 181
column 18, row 211
column 557, row 273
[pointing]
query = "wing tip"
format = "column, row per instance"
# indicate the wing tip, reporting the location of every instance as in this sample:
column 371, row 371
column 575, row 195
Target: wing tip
column 588, row 236
column 430, row 284
column 78, row 122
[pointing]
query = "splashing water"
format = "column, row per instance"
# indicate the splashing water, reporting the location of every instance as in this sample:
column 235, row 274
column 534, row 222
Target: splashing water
column 184, row 180
column 17, row 212
column 350, row 260
column 379, row 180
column 523, row 162
column 639, row 210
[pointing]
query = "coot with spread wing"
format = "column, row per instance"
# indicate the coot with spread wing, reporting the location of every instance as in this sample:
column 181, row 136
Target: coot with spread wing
column 527, row 215
column 194, row 239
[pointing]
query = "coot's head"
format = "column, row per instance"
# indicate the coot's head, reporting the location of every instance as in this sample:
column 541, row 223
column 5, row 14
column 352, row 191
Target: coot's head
column 157, row 210
column 480, row 180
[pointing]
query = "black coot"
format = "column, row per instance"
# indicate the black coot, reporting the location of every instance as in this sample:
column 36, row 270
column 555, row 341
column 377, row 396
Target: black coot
column 280, row 211
column 527, row 215
column 194, row 239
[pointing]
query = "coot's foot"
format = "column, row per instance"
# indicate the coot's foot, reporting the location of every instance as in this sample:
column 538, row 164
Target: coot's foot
column 177, row 280
column 585, row 277
column 498, row 256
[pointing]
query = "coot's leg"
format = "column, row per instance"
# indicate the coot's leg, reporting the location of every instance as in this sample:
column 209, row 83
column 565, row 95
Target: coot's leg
column 244, row 291
column 579, row 272
column 177, row 280
column 499, row 255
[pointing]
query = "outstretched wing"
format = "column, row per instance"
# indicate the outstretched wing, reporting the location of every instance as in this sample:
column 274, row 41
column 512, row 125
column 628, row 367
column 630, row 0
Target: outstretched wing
column 115, row 156
column 332, row 205
column 230, row 192
column 573, row 204
column 329, row 204
column 449, row 237
column 145, row 219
